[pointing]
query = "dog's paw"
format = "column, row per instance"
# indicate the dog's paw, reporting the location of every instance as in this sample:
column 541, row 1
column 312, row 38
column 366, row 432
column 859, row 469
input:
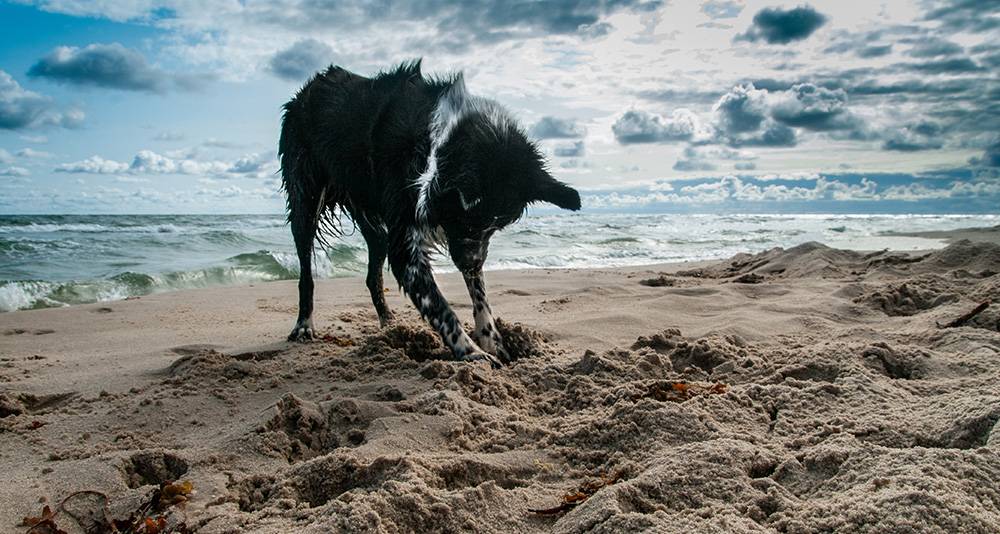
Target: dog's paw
column 480, row 356
column 302, row 332
column 388, row 319
column 493, row 344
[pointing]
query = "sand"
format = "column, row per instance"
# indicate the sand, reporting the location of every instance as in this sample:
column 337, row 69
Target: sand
column 817, row 394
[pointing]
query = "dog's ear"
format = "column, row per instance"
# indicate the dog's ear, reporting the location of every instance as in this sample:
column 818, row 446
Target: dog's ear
column 548, row 189
column 451, row 197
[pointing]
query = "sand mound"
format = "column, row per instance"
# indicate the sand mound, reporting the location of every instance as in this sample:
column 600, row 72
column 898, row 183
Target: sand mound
column 910, row 297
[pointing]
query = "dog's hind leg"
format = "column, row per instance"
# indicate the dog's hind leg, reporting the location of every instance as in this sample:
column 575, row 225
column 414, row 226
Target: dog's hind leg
column 304, row 219
column 412, row 269
column 486, row 333
column 377, row 240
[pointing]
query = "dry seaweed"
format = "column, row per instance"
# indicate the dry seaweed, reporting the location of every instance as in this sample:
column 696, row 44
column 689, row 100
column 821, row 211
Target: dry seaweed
column 681, row 391
column 573, row 498
column 150, row 518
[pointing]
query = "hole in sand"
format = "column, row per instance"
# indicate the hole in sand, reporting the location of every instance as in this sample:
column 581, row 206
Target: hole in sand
column 152, row 468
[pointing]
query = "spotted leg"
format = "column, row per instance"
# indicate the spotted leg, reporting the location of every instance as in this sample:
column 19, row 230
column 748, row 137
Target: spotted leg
column 486, row 333
column 412, row 269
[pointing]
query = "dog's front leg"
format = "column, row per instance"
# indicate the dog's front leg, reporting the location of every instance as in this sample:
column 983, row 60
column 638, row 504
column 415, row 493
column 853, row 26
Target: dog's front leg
column 412, row 269
column 486, row 332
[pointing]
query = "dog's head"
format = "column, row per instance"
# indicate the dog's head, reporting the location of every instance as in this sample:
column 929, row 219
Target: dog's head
column 488, row 172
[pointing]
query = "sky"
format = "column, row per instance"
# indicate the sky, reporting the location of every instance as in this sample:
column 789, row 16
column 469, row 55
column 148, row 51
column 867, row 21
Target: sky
column 173, row 106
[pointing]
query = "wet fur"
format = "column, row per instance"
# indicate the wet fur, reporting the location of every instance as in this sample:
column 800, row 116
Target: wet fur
column 416, row 163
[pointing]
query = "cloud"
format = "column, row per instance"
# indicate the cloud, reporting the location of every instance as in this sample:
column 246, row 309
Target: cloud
column 169, row 136
column 703, row 158
column 779, row 26
column 93, row 165
column 21, row 109
column 32, row 153
column 556, row 128
column 742, row 118
column 915, row 137
column 570, row 150
column 934, row 47
column 301, row 60
column 636, row 126
column 5, row 156
column 814, row 108
column 722, row 9
column 964, row 15
column 16, row 172
column 990, row 157
column 110, row 66
column 149, row 162
column 944, row 66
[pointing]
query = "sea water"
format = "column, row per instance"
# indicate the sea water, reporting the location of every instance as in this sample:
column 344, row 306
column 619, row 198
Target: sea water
column 58, row 260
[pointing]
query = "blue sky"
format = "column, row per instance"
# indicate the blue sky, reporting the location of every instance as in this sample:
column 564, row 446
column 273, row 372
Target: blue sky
column 162, row 106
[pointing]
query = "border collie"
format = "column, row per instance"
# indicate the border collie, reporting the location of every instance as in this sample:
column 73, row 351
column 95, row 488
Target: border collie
column 416, row 163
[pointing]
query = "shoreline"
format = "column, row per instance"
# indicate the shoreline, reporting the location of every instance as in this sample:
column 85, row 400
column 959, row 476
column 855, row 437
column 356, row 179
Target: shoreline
column 345, row 433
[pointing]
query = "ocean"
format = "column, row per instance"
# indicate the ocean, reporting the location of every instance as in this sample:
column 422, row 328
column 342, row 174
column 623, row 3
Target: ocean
column 60, row 260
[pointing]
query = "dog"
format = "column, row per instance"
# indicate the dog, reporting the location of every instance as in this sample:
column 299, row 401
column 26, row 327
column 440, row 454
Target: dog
column 417, row 164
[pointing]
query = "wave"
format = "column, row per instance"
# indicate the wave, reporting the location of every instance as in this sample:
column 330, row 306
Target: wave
column 247, row 268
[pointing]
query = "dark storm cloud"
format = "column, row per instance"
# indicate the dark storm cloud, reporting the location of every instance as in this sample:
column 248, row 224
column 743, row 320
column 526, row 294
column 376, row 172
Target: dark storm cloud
column 779, row 26
column 21, row 109
column 301, row 60
column 556, row 128
column 571, row 150
column 915, row 137
column 102, row 65
column 722, row 9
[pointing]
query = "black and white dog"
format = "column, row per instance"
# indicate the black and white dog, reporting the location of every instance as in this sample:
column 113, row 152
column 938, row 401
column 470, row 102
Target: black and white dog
column 415, row 162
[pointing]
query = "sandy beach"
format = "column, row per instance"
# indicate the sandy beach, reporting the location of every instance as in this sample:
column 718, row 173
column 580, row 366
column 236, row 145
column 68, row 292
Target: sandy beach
column 800, row 390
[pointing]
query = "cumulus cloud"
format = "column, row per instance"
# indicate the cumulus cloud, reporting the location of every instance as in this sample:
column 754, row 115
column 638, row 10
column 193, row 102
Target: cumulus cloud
column 779, row 26
column 914, row 137
column 556, row 128
column 742, row 118
column 636, row 126
column 301, row 60
column 20, row 108
column 109, row 66
column 814, row 108
column 149, row 162
column 722, row 9
column 569, row 150
column 93, row 165
column 13, row 171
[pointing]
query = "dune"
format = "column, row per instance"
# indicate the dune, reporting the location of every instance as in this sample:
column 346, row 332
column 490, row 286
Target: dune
column 797, row 390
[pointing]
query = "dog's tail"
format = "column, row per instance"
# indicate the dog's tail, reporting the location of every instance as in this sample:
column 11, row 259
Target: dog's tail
column 306, row 189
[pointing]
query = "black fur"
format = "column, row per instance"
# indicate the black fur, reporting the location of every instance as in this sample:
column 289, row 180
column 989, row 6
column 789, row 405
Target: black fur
column 362, row 146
